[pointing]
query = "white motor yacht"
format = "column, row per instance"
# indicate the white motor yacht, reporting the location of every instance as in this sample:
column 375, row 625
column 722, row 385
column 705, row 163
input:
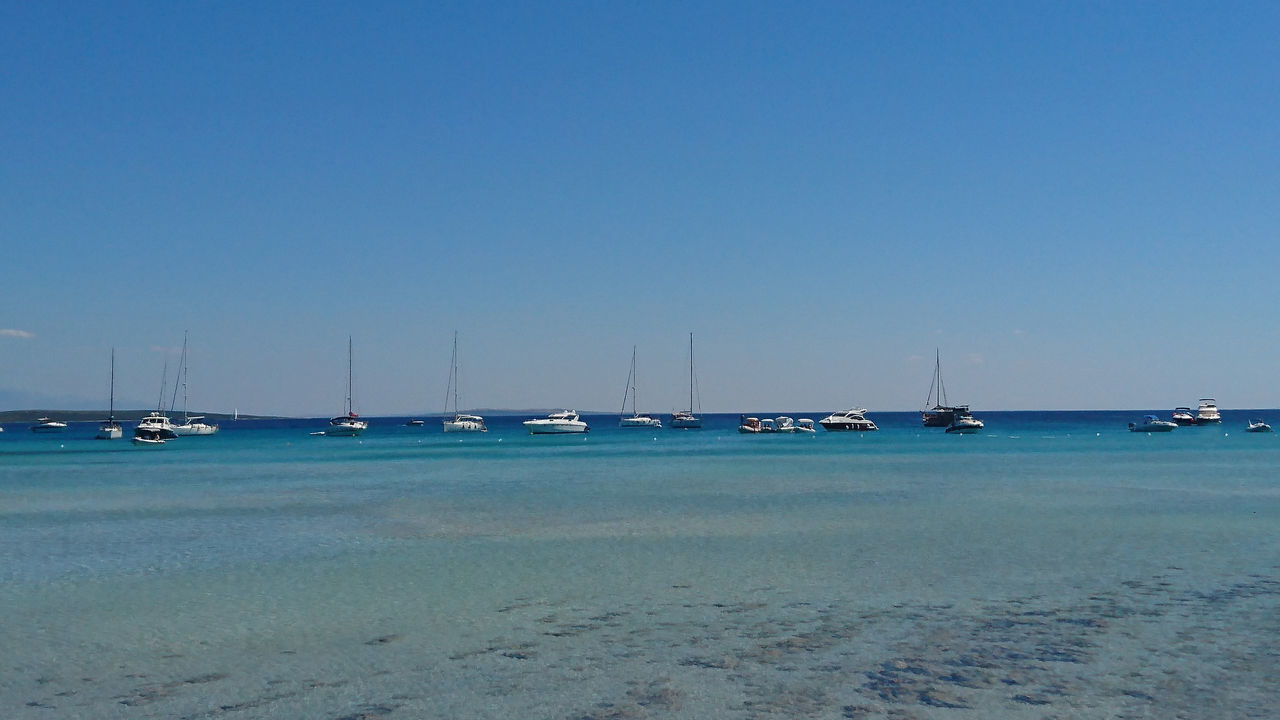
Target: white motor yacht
column 47, row 425
column 1208, row 412
column 964, row 423
column 1184, row 416
column 557, row 423
column 1258, row 425
column 465, row 423
column 148, row 437
column 1151, row 423
column 110, row 429
column 157, row 422
column 853, row 419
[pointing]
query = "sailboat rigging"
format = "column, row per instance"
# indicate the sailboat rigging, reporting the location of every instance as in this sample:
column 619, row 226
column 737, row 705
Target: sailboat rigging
column 685, row 419
column 635, row 420
column 350, row 424
column 110, row 429
column 937, row 412
column 191, row 424
column 460, row 422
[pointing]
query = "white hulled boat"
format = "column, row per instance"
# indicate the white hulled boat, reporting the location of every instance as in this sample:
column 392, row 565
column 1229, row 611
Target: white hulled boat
column 1258, row 425
column 459, row 422
column 749, row 425
column 1151, row 423
column 110, row 429
column 191, row 424
column 805, row 425
column 1183, row 416
column 964, row 423
column 48, row 425
column 155, row 424
column 685, row 419
column 635, row 419
column 851, row 420
column 350, row 424
column 148, row 437
column 557, row 423
column 1208, row 412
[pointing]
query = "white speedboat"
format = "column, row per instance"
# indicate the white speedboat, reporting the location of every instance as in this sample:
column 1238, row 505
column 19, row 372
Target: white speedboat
column 851, row 420
column 148, row 437
column 805, row 425
column 48, row 425
column 459, row 422
column 1208, row 412
column 1183, row 416
column 350, row 424
column 557, row 423
column 1151, row 423
column 964, row 423
column 414, row 423
column 635, row 419
column 155, row 424
column 685, row 419
column 749, row 425
column 192, row 425
column 1258, row 425
column 784, row 424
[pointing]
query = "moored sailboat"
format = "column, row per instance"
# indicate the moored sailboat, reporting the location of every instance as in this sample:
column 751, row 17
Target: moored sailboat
column 459, row 422
column 937, row 413
column 635, row 419
column 350, row 424
column 110, row 429
column 685, row 419
column 191, row 424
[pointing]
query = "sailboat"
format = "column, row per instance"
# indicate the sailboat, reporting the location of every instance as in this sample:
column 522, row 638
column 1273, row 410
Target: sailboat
column 635, row 420
column 460, row 422
column 110, row 429
column 940, row 414
column 682, row 419
column 191, row 424
column 349, row 425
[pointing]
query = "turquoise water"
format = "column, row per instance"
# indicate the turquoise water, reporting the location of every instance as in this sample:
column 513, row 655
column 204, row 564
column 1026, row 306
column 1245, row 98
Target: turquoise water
column 1055, row 565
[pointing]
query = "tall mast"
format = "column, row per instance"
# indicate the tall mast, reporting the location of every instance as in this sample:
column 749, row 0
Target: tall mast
column 456, row 409
column 633, row 380
column 111, row 404
column 182, row 364
column 691, row 373
column 349, row 355
column 164, row 381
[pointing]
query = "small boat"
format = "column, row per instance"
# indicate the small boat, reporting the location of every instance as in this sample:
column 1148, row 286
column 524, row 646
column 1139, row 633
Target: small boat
column 110, row 429
column 805, row 425
column 48, row 425
column 635, row 419
column 349, row 425
column 414, row 423
column 557, row 423
column 685, row 419
column 749, row 425
column 460, row 422
column 964, row 423
column 1207, row 413
column 1151, row 423
column 1183, row 416
column 784, row 424
column 853, row 419
column 1258, row 425
column 148, row 437
column 940, row 414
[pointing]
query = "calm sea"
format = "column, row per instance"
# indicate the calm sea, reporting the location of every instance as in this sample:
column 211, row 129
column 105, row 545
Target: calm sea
column 1053, row 566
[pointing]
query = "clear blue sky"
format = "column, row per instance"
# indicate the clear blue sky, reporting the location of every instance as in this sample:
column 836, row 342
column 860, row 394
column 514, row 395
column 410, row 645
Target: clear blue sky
column 1077, row 202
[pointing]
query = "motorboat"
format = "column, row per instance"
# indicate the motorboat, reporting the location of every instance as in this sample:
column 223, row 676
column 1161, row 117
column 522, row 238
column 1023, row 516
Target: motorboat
column 192, row 425
column 48, row 425
column 1258, row 425
column 805, row 425
column 155, row 424
column 964, row 423
column 635, row 419
column 768, row 425
column 749, row 425
column 110, row 429
column 350, row 424
column 1184, row 416
column 461, row 422
column 148, row 437
column 853, row 419
column 1151, row 423
column 685, row 419
column 1208, row 413
column 784, row 424
column 557, row 423
column 414, row 423
column 457, row 421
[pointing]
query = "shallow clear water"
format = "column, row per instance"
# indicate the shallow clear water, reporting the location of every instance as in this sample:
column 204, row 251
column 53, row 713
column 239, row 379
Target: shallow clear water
column 1055, row 565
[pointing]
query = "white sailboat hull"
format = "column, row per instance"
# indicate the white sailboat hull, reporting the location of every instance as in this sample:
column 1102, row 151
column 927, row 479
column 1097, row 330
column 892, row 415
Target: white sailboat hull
column 194, row 429
column 464, row 426
column 109, row 432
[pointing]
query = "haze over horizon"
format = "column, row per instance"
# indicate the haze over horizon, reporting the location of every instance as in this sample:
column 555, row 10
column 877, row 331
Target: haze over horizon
column 1075, row 204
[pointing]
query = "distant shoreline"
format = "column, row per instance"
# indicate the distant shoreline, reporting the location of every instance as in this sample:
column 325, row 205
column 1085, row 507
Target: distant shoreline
column 8, row 416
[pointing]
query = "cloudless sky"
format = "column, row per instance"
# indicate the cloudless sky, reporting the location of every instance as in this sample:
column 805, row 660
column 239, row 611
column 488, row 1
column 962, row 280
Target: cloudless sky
column 1078, row 203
